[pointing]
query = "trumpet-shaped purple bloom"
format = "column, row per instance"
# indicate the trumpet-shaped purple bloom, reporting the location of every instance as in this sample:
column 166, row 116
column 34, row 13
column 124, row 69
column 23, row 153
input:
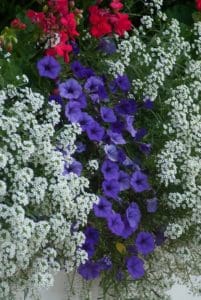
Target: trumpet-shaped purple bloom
column 129, row 125
column 89, row 248
column 145, row 243
column 70, row 89
column 85, row 121
column 133, row 215
column 140, row 134
column 103, row 209
column 145, row 148
column 110, row 170
column 90, row 270
column 93, row 84
column 135, row 267
column 92, row 235
column 152, row 205
column 95, row 132
column 116, row 138
column 107, row 114
column 127, row 231
column 80, row 147
column 111, row 188
column 126, row 107
column 115, row 224
column 56, row 98
column 75, row 167
column 81, row 101
column 48, row 67
column 111, row 152
column 139, row 182
column 124, row 181
column 148, row 104
column 73, row 112
column 78, row 69
column 122, row 82
column 117, row 127
column 107, row 45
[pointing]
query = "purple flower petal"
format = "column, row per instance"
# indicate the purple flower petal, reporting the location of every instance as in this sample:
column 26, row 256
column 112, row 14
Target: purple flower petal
column 103, row 209
column 135, row 267
column 70, row 89
column 48, row 67
column 90, row 270
column 145, row 243
column 133, row 215
column 111, row 188
column 95, row 132
column 109, row 169
column 152, row 205
column 115, row 223
column 107, row 114
column 139, row 182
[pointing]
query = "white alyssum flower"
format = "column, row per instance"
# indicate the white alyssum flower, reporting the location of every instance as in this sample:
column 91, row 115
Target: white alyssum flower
column 42, row 211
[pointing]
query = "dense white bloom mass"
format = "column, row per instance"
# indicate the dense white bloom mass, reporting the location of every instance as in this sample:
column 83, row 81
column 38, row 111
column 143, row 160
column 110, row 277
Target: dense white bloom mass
column 41, row 211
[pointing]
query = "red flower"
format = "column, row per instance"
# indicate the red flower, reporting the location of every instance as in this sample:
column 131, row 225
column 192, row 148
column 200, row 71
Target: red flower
column 69, row 25
column 62, row 50
column 121, row 23
column 116, row 5
column 198, row 4
column 17, row 23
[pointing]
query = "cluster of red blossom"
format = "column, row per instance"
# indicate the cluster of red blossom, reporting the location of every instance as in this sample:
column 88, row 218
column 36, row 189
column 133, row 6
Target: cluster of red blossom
column 198, row 4
column 57, row 20
column 105, row 21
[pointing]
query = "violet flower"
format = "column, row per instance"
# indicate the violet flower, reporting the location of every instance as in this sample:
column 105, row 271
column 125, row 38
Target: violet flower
column 70, row 89
column 115, row 224
column 103, row 209
column 145, row 243
column 48, row 67
column 109, row 169
column 135, row 267
column 90, row 270
column 111, row 188
column 139, row 182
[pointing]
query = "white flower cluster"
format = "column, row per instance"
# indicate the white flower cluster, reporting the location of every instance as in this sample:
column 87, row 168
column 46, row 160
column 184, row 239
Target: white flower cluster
column 41, row 210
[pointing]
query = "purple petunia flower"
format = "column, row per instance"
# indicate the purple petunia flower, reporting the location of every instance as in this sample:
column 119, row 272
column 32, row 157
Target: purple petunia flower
column 159, row 237
column 48, row 67
column 115, row 223
column 133, row 215
column 80, row 101
column 111, row 152
column 75, row 47
column 139, row 182
column 89, row 248
column 116, row 138
column 90, row 270
column 104, row 263
column 85, row 121
column 107, row 114
column 126, row 107
column 129, row 125
column 135, row 267
column 73, row 112
column 111, row 188
column 103, row 209
column 122, row 82
column 75, row 167
column 145, row 243
column 70, row 89
column 93, row 83
column 92, row 235
column 145, row 148
column 77, row 69
column 124, row 181
column 109, row 169
column 95, row 132
column 80, row 147
column 140, row 134
column 127, row 231
column 117, row 127
column 148, row 104
column 107, row 45
column 152, row 205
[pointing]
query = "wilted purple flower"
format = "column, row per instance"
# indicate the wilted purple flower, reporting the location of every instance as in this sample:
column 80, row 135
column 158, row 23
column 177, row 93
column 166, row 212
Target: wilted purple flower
column 95, row 132
column 103, row 209
column 145, row 148
column 90, row 270
column 109, row 169
column 159, row 237
column 77, row 69
column 148, row 104
column 104, row 263
column 75, row 167
column 85, row 121
column 124, row 181
column 70, row 89
column 135, row 267
column 115, row 223
column 107, row 45
column 107, row 114
column 152, row 205
column 92, row 235
column 111, row 188
column 145, row 243
column 133, row 215
column 73, row 112
column 119, row 275
column 129, row 125
column 126, row 107
column 111, row 152
column 116, row 138
column 139, row 182
column 48, row 67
